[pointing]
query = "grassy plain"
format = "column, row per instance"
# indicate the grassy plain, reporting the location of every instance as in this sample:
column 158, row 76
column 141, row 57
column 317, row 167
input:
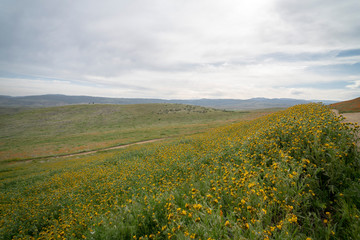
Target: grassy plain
column 31, row 133
column 294, row 174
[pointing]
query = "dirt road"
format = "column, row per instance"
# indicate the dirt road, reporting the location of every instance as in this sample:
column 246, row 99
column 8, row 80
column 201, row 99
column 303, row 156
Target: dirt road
column 349, row 117
column 111, row 148
column 84, row 153
column 352, row 118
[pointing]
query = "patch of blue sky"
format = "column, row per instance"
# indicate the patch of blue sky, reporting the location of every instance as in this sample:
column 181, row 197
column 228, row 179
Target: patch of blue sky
column 336, row 69
column 10, row 75
column 5, row 74
column 349, row 53
column 326, row 85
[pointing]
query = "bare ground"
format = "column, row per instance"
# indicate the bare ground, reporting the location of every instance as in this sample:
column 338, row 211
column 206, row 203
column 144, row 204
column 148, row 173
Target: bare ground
column 351, row 118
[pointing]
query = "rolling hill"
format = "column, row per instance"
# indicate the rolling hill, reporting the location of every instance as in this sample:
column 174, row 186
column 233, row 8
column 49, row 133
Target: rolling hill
column 47, row 131
column 347, row 106
column 291, row 175
column 230, row 104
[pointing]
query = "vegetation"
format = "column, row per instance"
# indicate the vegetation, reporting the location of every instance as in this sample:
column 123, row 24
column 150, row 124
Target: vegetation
column 294, row 174
column 31, row 133
column 347, row 106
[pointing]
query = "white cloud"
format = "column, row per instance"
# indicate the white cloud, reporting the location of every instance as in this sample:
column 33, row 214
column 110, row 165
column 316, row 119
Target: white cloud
column 177, row 49
column 354, row 85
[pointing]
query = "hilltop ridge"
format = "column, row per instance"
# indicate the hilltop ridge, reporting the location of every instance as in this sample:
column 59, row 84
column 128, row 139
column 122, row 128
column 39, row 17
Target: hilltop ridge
column 352, row 105
column 230, row 104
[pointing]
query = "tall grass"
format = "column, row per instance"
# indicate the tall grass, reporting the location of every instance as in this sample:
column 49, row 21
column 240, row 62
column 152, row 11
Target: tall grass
column 290, row 175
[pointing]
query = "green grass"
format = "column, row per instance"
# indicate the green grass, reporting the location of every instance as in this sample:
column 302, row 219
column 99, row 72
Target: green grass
column 31, row 133
column 294, row 174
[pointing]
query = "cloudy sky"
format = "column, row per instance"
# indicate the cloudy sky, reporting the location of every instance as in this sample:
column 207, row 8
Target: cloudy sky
column 181, row 49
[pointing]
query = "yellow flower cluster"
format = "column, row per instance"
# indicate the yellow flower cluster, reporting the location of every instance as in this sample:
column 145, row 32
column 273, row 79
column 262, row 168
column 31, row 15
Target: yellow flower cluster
column 249, row 180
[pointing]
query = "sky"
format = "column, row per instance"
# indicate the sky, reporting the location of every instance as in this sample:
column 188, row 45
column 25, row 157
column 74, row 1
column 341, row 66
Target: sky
column 181, row 49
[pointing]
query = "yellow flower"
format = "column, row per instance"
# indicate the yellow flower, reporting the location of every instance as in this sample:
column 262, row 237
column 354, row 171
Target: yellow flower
column 293, row 218
column 197, row 206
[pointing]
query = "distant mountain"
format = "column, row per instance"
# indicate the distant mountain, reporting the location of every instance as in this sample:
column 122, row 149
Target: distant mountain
column 248, row 104
column 230, row 104
column 348, row 106
column 61, row 100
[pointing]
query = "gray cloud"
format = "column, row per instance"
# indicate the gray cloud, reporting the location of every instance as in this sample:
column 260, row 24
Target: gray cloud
column 188, row 49
column 327, row 24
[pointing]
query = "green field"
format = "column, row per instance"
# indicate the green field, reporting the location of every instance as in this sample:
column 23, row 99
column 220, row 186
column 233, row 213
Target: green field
column 39, row 132
column 293, row 174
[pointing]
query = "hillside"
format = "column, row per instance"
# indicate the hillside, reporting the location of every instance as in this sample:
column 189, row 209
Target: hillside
column 31, row 133
column 229, row 104
column 347, row 106
column 292, row 175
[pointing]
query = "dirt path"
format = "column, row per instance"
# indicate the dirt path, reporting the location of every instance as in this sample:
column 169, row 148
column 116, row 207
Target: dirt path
column 111, row 148
column 87, row 152
column 352, row 117
column 349, row 117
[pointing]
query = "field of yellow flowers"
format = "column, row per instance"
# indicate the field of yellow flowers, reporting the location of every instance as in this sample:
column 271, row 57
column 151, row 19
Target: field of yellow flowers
column 294, row 174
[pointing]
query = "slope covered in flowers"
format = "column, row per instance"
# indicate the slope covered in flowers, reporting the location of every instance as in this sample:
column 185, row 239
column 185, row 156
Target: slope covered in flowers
column 347, row 106
column 290, row 175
